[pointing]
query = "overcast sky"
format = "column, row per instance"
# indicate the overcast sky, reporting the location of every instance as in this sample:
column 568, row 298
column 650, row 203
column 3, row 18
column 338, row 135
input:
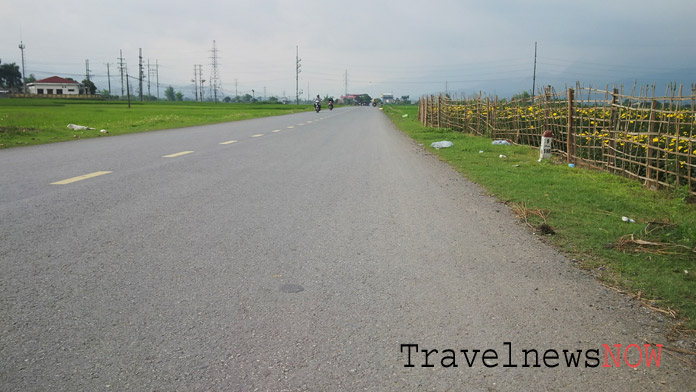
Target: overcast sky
column 402, row 47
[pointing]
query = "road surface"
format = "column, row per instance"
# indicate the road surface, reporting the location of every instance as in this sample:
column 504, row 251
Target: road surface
column 319, row 252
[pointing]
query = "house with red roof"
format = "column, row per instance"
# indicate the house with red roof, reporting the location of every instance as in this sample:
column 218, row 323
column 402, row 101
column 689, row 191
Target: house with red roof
column 54, row 85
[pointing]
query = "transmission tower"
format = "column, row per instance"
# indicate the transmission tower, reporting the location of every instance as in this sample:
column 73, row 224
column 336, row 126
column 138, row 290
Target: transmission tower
column 201, row 81
column 195, row 81
column 157, row 77
column 141, row 74
column 214, row 75
column 151, row 78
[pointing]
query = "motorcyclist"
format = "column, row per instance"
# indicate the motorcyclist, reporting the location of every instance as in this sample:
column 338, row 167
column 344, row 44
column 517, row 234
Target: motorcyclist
column 331, row 103
column 317, row 103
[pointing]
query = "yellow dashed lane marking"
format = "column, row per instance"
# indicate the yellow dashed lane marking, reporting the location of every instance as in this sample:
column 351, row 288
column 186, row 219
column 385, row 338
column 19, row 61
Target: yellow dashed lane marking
column 80, row 178
column 276, row 131
column 178, row 154
column 257, row 135
column 291, row 127
column 229, row 142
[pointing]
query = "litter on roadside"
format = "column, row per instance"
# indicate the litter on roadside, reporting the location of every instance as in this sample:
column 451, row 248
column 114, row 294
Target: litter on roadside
column 627, row 219
column 78, row 127
column 501, row 142
column 502, row 156
column 442, row 144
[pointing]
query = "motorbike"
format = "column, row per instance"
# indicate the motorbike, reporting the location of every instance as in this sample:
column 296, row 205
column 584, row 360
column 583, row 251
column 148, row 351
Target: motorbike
column 317, row 106
column 330, row 105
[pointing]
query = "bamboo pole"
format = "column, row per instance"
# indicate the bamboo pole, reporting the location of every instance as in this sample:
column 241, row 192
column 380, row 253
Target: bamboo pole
column 650, row 182
column 570, row 145
column 613, row 126
column 678, row 138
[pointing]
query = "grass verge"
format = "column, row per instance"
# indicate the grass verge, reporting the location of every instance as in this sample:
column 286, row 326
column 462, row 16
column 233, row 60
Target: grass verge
column 28, row 121
column 653, row 259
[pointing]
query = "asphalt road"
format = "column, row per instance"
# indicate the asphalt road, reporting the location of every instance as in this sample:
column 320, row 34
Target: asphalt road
column 310, row 252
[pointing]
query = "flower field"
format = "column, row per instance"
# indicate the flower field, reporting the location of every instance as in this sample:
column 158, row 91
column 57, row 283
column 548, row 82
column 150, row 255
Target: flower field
column 651, row 139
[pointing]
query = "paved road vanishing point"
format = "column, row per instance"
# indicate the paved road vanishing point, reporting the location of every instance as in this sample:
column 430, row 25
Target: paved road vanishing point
column 321, row 252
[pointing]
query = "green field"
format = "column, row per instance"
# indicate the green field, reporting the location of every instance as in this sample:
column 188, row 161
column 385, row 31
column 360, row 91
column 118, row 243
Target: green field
column 37, row 121
column 653, row 258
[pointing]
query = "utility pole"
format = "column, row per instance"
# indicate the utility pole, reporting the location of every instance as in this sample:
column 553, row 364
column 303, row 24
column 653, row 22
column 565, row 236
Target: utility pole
column 108, row 78
column 128, row 89
column 87, row 70
column 236, row 94
column 297, row 75
column 122, row 68
column 534, row 77
column 346, row 85
column 140, row 74
column 24, row 79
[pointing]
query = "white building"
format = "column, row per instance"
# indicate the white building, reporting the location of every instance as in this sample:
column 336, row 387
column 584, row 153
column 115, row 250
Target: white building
column 54, row 85
column 387, row 98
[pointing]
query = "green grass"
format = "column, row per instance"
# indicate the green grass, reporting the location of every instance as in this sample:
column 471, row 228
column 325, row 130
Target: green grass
column 585, row 209
column 25, row 121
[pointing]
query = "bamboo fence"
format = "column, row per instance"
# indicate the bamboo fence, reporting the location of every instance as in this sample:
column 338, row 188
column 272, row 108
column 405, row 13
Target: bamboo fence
column 640, row 136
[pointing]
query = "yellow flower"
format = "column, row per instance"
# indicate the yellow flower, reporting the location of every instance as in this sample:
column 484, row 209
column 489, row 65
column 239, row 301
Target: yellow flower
column 656, row 139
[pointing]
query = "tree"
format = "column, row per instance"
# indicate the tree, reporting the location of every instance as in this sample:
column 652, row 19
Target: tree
column 169, row 93
column 273, row 99
column 179, row 96
column 524, row 96
column 227, row 100
column 247, row 98
column 31, row 78
column 10, row 77
column 105, row 94
column 90, row 88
